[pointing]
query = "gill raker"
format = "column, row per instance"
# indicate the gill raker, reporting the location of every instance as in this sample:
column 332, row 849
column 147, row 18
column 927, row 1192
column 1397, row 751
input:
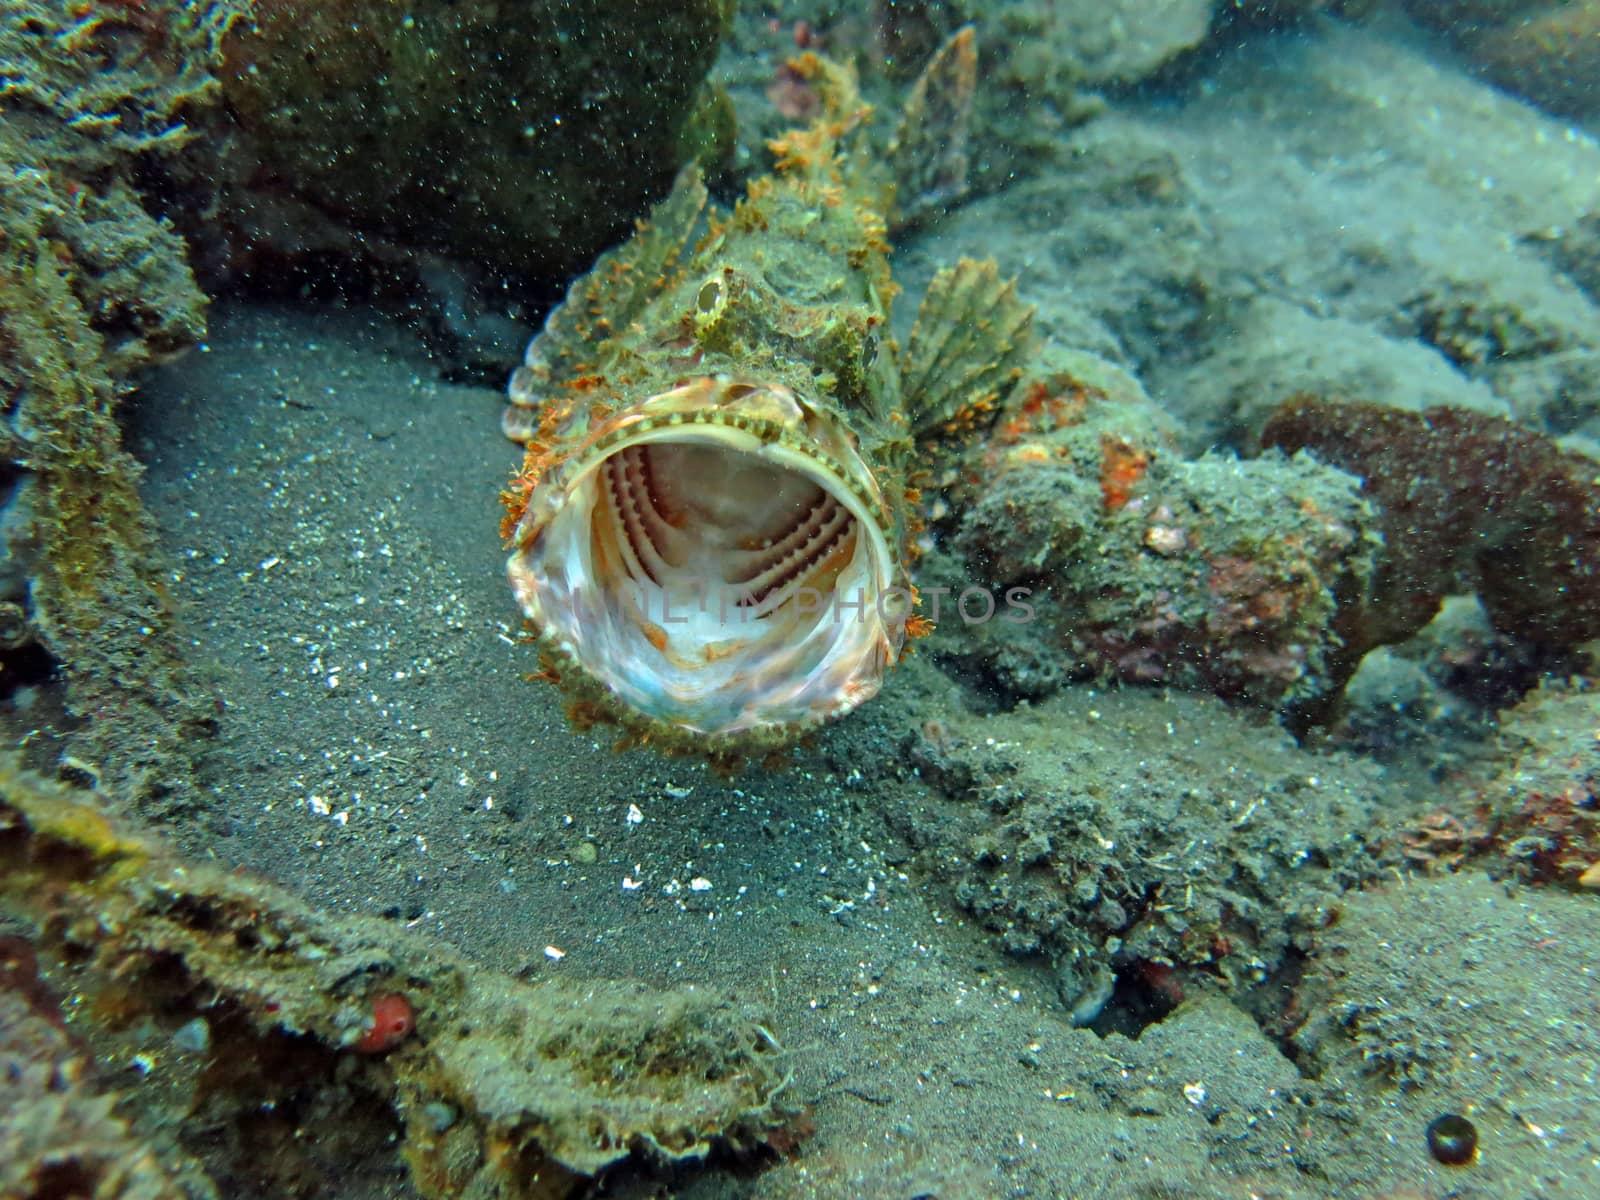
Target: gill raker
column 712, row 530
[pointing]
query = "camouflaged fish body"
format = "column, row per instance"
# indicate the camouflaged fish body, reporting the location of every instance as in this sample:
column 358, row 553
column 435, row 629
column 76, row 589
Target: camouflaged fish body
column 710, row 528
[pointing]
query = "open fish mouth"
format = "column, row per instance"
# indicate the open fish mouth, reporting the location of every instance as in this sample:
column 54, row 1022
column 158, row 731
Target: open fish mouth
column 719, row 559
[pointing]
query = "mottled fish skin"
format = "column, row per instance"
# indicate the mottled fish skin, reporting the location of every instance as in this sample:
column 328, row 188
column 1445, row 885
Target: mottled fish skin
column 728, row 417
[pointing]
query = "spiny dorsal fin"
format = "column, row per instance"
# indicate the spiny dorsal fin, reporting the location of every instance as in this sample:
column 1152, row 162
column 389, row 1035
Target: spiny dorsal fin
column 929, row 152
column 970, row 337
column 602, row 303
column 815, row 151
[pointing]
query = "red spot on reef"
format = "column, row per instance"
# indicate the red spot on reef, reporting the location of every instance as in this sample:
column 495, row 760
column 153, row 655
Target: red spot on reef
column 392, row 1021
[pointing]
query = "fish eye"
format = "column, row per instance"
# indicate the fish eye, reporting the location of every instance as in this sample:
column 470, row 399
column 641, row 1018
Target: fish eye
column 710, row 293
column 869, row 351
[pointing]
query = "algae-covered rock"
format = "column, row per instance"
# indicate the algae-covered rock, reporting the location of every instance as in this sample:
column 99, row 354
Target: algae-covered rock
column 1215, row 573
column 1275, row 350
column 1551, row 57
column 1114, row 247
column 1089, row 43
column 88, row 103
column 1546, row 50
column 94, row 283
column 1124, row 41
column 1529, row 335
column 525, row 136
column 252, row 1014
column 1151, row 842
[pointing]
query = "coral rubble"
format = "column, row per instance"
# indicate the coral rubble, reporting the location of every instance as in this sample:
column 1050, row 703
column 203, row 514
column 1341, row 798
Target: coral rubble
column 245, row 1008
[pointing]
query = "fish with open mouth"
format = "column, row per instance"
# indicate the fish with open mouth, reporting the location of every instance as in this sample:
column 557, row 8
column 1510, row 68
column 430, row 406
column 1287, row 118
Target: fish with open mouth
column 712, row 530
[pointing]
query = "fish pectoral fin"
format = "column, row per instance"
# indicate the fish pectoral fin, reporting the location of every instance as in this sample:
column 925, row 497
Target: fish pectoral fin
column 614, row 292
column 970, row 339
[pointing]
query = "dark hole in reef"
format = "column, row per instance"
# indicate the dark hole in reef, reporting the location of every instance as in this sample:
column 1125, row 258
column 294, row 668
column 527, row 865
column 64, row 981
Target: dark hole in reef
column 999, row 682
column 643, row 1173
column 65, row 1181
column 1278, row 1007
column 1142, row 995
column 274, row 1116
column 165, row 986
column 23, row 670
column 196, row 913
column 1509, row 669
column 54, row 860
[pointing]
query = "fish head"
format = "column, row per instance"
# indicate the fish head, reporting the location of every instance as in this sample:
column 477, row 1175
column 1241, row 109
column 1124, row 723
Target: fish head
column 716, row 566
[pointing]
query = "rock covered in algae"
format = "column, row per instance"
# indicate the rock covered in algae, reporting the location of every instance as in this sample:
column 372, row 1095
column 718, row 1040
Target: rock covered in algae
column 94, row 284
column 97, row 103
column 1040, row 63
column 1213, row 574
column 1276, row 349
column 1546, row 50
column 1043, row 63
column 1152, row 841
column 1467, row 502
column 1531, row 340
column 56, row 1123
column 253, row 1015
column 525, row 137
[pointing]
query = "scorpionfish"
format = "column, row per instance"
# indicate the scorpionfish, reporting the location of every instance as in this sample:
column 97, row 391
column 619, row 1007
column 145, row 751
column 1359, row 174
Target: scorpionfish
column 712, row 531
